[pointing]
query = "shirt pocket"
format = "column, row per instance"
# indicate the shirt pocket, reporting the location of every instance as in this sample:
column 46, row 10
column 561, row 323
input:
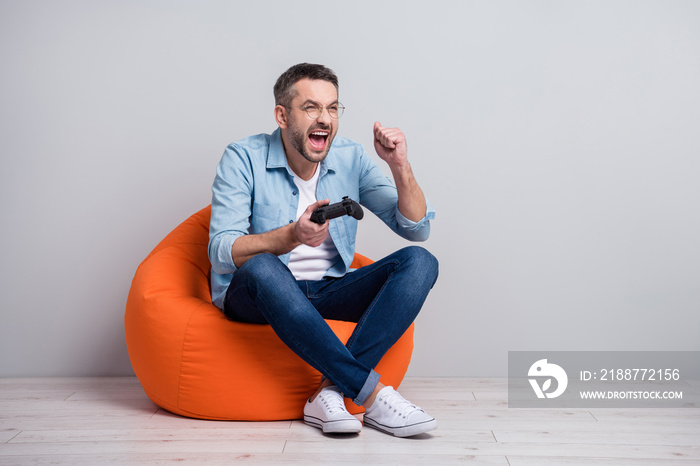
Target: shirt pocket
column 265, row 218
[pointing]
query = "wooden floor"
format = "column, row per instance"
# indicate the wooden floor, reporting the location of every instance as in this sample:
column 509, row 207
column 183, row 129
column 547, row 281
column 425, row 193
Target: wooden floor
column 103, row 421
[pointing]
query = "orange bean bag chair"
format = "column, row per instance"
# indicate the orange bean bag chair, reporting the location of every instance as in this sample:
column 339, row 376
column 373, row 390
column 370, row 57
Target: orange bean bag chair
column 194, row 362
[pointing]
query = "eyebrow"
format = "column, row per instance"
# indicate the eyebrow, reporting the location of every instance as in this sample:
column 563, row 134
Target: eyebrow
column 318, row 104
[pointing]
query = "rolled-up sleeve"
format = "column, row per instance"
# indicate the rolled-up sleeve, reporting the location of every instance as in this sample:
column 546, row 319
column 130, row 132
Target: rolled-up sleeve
column 230, row 207
column 416, row 231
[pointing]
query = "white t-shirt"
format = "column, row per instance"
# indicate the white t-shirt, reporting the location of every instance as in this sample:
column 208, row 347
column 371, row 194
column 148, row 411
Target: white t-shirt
column 305, row 262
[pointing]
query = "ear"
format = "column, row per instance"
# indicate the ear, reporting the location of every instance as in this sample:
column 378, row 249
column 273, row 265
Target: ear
column 281, row 116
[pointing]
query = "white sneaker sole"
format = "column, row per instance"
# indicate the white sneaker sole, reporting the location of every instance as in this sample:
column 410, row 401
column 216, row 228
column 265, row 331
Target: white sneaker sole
column 404, row 431
column 344, row 426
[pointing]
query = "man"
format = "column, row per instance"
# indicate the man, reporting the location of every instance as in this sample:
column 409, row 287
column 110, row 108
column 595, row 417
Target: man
column 272, row 265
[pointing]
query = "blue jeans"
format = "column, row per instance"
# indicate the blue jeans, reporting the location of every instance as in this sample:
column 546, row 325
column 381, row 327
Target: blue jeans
column 383, row 298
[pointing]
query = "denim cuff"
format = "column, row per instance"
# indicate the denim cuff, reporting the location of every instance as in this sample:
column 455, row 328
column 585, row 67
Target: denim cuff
column 367, row 388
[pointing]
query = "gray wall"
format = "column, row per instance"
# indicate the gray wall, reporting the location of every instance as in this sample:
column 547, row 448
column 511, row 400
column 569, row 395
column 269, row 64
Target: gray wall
column 557, row 140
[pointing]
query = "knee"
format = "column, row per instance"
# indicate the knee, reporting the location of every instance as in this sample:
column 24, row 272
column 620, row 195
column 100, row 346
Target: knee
column 263, row 268
column 422, row 262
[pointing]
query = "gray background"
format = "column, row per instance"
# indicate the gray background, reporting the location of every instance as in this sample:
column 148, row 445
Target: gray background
column 557, row 140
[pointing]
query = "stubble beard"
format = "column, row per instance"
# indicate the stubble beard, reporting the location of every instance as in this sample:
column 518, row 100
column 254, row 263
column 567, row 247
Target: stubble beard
column 298, row 140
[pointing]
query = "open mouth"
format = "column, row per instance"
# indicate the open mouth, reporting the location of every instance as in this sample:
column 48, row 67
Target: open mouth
column 318, row 139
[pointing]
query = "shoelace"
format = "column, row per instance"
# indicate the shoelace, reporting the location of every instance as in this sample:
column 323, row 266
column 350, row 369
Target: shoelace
column 332, row 400
column 399, row 404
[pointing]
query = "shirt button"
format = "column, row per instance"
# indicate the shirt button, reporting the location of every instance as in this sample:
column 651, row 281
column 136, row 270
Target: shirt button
column 294, row 193
column 291, row 221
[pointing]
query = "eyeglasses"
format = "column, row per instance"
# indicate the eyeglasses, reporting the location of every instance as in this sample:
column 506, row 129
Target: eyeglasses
column 314, row 111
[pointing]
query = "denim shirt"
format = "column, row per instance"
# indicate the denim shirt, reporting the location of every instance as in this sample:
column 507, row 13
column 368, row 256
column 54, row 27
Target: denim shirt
column 254, row 192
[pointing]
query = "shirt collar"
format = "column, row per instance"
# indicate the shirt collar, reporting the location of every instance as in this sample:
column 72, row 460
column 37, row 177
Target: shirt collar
column 276, row 157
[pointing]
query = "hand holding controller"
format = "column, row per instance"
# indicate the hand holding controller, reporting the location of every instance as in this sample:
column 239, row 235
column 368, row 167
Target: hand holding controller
column 345, row 207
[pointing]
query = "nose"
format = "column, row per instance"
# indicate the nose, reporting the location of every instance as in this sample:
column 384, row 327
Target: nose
column 324, row 117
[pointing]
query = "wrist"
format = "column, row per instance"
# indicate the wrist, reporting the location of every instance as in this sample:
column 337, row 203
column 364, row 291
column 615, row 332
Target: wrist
column 401, row 172
column 293, row 237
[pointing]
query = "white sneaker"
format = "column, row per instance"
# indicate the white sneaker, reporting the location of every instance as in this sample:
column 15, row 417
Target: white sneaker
column 328, row 413
column 393, row 414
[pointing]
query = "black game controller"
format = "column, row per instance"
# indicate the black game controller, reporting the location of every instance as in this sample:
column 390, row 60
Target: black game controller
column 345, row 207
